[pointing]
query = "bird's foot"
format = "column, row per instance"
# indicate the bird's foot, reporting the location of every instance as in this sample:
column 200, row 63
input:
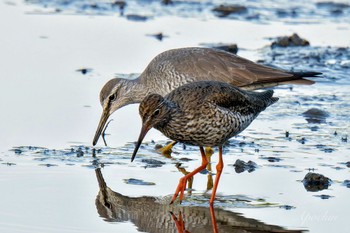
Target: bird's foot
column 180, row 189
column 167, row 149
column 209, row 151
column 179, row 222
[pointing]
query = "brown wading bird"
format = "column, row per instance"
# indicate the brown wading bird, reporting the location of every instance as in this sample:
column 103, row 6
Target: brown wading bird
column 177, row 67
column 206, row 113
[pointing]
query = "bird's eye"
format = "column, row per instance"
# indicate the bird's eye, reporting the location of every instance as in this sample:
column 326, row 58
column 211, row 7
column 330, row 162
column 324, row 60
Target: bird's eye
column 112, row 97
column 156, row 112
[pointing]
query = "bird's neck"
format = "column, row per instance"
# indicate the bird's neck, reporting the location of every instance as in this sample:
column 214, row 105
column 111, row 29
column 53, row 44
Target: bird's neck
column 136, row 90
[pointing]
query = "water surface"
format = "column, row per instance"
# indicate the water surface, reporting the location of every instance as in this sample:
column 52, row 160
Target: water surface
column 52, row 183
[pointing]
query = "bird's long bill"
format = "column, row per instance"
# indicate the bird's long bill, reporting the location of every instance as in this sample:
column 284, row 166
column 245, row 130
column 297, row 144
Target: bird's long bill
column 145, row 128
column 101, row 125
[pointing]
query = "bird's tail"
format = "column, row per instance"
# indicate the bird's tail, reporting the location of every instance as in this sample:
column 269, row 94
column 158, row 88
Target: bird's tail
column 297, row 78
column 266, row 97
column 306, row 74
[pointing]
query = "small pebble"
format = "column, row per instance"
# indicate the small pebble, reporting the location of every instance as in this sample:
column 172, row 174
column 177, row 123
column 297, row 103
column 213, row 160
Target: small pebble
column 314, row 182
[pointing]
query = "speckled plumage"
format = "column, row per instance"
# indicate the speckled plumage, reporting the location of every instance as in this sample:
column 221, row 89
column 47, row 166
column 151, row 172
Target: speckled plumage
column 177, row 67
column 204, row 113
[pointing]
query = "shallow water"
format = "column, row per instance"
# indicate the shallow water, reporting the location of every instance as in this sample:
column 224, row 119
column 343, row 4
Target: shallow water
column 50, row 175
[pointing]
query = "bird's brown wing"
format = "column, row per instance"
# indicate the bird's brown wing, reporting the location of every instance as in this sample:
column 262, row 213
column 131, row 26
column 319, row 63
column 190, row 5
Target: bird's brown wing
column 222, row 95
column 203, row 64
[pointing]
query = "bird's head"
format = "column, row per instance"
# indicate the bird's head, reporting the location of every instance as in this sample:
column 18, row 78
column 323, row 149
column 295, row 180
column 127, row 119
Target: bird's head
column 113, row 95
column 154, row 112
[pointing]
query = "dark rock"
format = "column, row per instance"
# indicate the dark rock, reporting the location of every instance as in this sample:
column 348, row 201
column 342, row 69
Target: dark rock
column 185, row 159
column 167, row 2
column 79, row 152
column 152, row 163
column 241, row 166
column 328, row 150
column 344, row 139
column 315, row 115
column 287, row 134
column 287, row 41
column 346, row 183
column 159, row 36
column 158, row 146
column 84, row 70
column 302, row 140
column 287, row 207
column 9, row 164
column 314, row 182
column 323, row 196
column 120, row 4
column 137, row 182
column 17, row 151
column 134, row 17
column 232, row 48
column 271, row 159
column 48, row 165
column 226, row 10
column 335, row 8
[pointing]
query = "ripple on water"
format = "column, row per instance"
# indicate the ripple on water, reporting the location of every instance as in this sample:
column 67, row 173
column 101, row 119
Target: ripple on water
column 257, row 11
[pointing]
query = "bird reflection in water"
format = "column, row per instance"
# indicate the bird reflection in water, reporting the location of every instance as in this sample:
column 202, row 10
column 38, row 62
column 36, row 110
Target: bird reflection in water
column 151, row 214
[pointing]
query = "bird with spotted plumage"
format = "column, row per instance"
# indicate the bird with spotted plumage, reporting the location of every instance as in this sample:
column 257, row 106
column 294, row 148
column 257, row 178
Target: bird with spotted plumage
column 204, row 114
column 177, row 67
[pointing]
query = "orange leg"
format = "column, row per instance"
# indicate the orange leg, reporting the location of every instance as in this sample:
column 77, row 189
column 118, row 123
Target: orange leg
column 213, row 219
column 182, row 183
column 179, row 223
column 219, row 168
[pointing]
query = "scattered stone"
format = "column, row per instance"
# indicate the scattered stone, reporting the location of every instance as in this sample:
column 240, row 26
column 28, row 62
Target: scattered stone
column 79, row 152
column 152, row 163
column 323, row 196
column 241, row 166
column 231, row 48
column 301, row 140
column 138, row 18
column 271, row 159
column 185, row 159
column 9, row 164
column 159, row 36
column 287, row 41
column 226, row 10
column 84, row 70
column 17, row 151
column 344, row 139
column 48, row 165
column 346, row 183
column 314, row 182
column 137, row 182
column 314, row 128
column 158, row 146
column 287, row 134
column 336, row 8
column 167, row 2
column 120, row 4
column 315, row 115
column 282, row 13
column 328, row 150
column 287, row 207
